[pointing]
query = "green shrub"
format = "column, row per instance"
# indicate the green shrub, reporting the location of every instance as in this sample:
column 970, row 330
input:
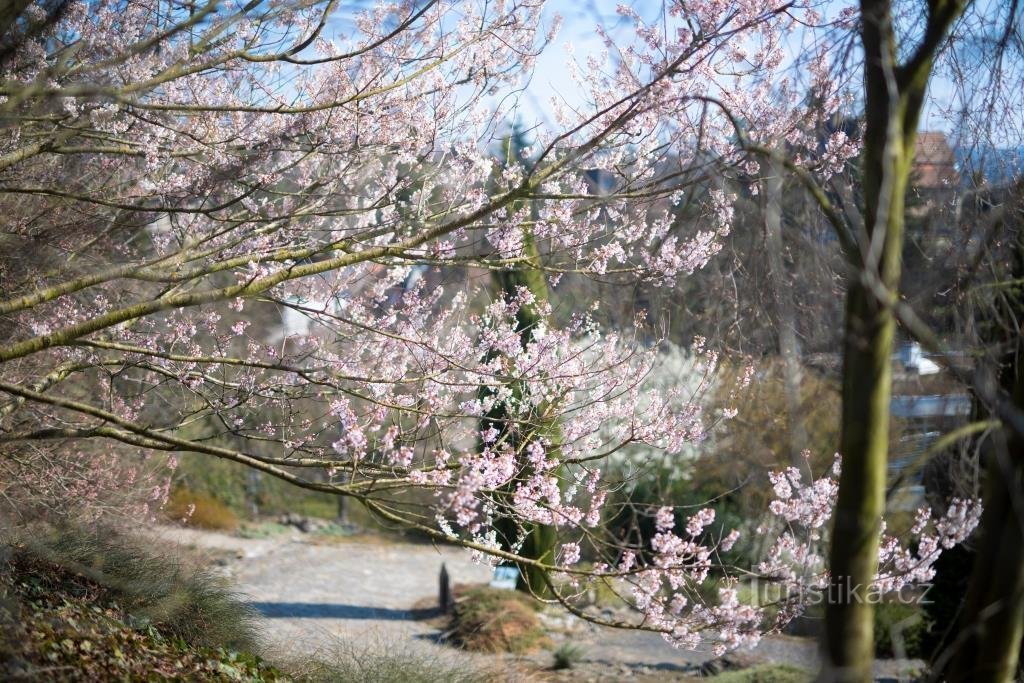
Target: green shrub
column 200, row 510
column 900, row 621
column 495, row 620
column 155, row 588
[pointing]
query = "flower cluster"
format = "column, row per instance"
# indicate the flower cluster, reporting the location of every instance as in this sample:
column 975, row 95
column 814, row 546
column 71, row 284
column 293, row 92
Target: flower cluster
column 665, row 581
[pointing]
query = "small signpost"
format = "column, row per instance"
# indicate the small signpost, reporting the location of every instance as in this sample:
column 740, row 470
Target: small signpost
column 505, row 576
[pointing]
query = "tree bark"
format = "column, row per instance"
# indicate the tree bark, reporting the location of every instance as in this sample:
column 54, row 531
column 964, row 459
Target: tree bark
column 789, row 347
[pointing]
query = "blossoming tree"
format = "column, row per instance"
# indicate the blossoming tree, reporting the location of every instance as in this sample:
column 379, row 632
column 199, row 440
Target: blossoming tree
column 170, row 172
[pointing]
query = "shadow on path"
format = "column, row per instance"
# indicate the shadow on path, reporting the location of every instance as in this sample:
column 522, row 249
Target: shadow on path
column 325, row 610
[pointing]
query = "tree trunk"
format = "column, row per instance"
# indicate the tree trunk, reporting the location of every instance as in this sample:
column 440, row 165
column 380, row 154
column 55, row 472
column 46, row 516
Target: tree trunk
column 789, row 347
column 539, row 539
column 864, row 447
column 893, row 97
column 988, row 642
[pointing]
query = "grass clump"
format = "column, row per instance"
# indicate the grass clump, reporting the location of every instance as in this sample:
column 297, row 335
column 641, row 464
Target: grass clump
column 200, row 510
column 494, row 620
column 567, row 656
column 766, row 673
column 387, row 663
column 155, row 589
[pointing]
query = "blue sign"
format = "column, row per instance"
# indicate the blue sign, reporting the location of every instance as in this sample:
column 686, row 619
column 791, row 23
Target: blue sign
column 505, row 576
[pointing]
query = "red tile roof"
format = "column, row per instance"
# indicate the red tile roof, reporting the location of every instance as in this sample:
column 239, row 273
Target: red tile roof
column 934, row 161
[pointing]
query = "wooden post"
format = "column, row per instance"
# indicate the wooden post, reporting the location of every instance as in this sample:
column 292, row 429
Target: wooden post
column 445, row 598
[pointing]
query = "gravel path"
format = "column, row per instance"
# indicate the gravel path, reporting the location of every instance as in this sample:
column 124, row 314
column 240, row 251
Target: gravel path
column 369, row 593
column 317, row 595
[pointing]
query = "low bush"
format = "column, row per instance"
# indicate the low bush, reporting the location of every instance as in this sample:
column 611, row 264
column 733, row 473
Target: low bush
column 495, row 620
column 263, row 530
column 200, row 510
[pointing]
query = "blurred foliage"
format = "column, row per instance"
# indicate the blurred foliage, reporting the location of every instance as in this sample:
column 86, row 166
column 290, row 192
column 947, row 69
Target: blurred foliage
column 238, row 487
column 264, row 530
column 200, row 510
column 745, row 448
column 944, row 600
column 731, row 473
column 901, row 623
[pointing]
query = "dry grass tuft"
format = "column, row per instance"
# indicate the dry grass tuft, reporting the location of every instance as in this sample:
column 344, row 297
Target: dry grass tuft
column 494, row 620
